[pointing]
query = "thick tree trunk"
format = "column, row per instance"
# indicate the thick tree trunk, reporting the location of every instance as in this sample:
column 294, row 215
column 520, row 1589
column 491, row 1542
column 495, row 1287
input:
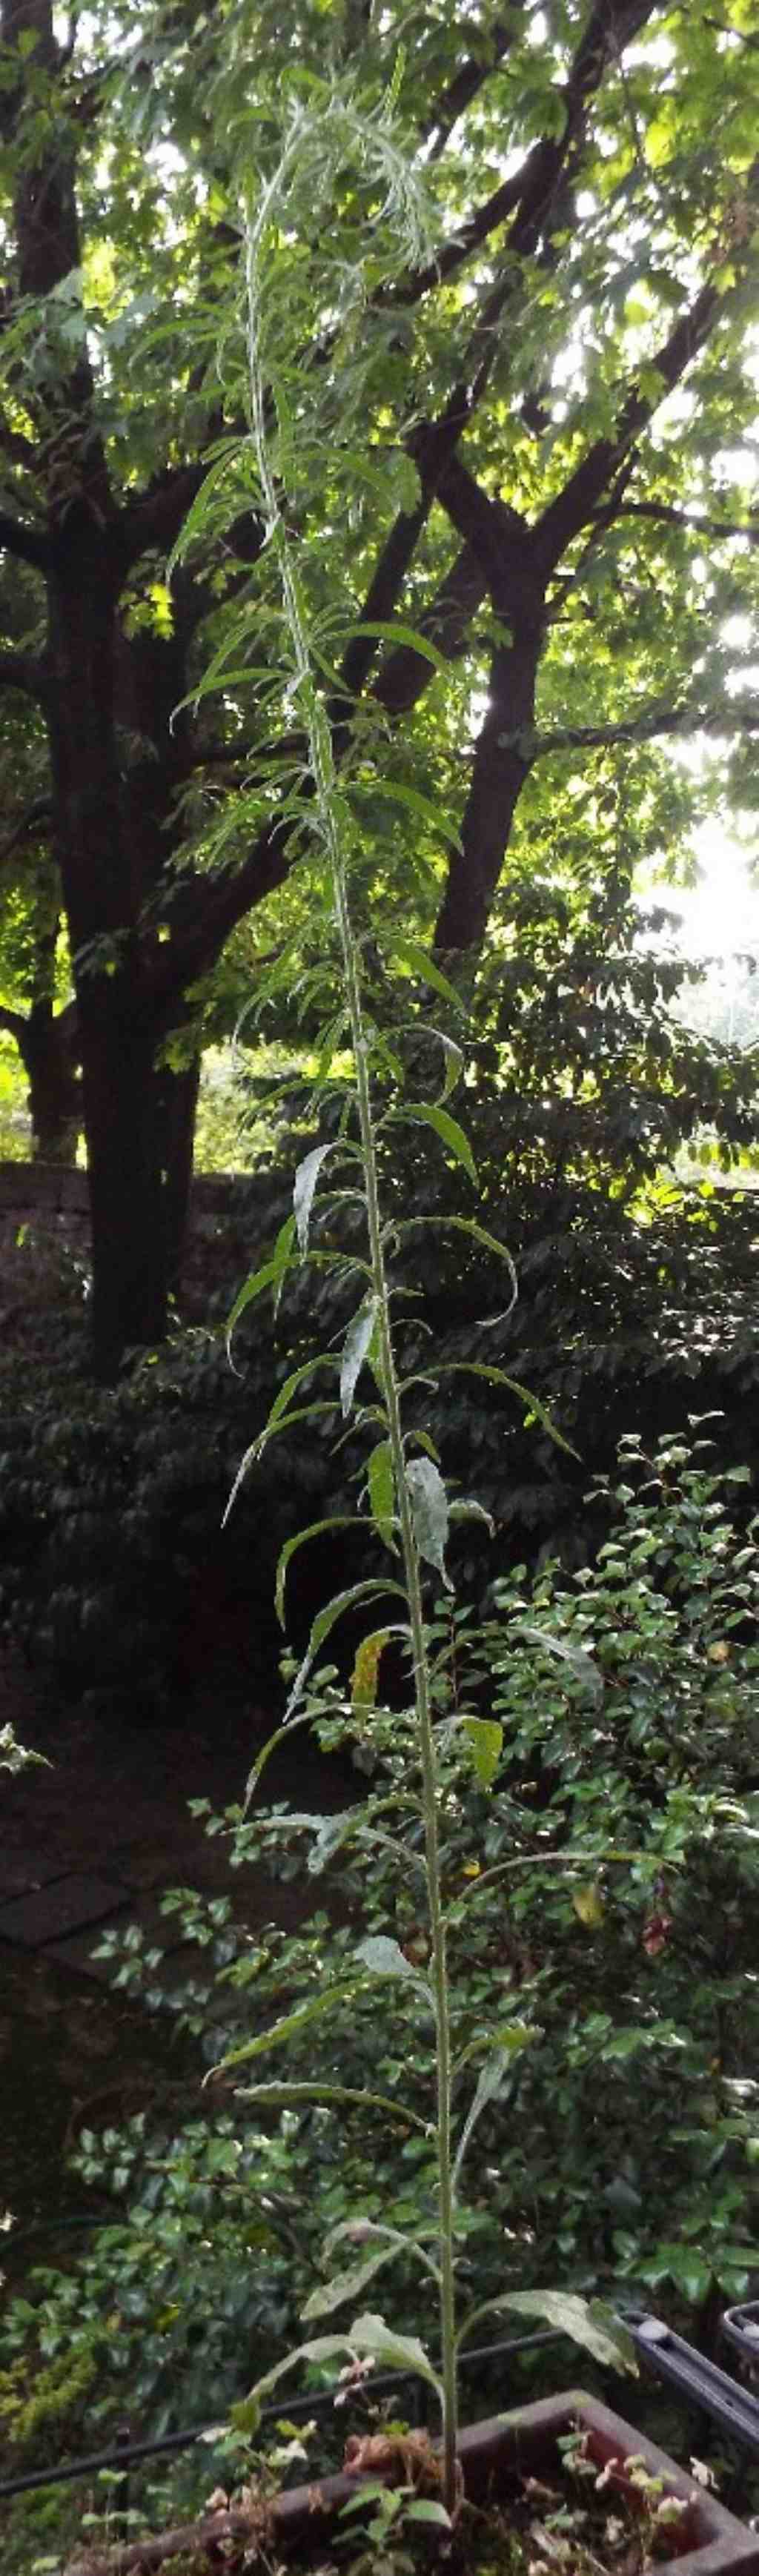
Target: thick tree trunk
column 55, row 1099
column 127, row 1181
column 501, row 765
column 179, row 1101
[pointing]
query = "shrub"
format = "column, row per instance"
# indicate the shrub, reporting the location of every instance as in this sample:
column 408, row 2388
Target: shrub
column 617, row 1929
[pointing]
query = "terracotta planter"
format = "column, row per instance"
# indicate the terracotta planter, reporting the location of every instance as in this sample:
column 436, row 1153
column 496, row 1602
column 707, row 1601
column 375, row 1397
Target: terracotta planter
column 710, row 2541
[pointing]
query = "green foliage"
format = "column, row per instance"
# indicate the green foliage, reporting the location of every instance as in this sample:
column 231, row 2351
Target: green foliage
column 606, row 1981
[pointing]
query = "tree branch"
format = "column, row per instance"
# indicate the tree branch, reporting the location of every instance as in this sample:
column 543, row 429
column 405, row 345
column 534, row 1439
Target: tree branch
column 573, row 508
column 464, row 87
column 404, row 675
column 14, row 1024
column 731, row 716
column 698, row 520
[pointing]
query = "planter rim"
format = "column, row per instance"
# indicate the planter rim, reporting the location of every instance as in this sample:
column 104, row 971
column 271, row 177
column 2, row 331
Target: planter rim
column 522, row 2439
column 519, row 2439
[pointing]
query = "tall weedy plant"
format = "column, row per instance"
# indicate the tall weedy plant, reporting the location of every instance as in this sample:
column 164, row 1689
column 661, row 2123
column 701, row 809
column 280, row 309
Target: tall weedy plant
column 340, row 173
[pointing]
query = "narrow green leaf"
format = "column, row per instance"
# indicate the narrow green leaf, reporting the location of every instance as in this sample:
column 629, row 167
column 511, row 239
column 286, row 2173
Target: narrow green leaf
column 326, row 1619
column 304, row 1186
column 290, row 1384
column 587, row 2321
column 388, row 633
column 427, row 1113
column 316, row 1529
column 500, row 1377
column 395, row 792
column 410, row 953
column 282, row 2030
column 429, row 1511
column 489, row 2082
column 381, row 1490
column 270, row 1275
column 396, row 2351
column 385, row 1958
column 580, row 1663
column 453, row 1059
column 246, row 2415
column 288, row 2096
column 427, row 2509
column 366, row 1667
column 354, row 1351
column 346, row 2285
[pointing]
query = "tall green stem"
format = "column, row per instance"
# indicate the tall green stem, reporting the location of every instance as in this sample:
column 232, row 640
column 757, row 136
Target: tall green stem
column 330, row 818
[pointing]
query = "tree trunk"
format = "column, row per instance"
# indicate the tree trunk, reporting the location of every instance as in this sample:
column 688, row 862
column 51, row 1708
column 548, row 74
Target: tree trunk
column 501, row 765
column 129, row 1199
column 55, row 1100
column 179, row 1101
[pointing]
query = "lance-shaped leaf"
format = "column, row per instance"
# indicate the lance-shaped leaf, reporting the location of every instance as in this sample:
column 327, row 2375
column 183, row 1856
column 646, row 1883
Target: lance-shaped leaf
column 316, row 1529
column 429, row 1512
column 380, row 1482
column 588, row 2322
column 287, row 2027
column 500, row 1377
column 489, row 2082
column 347, row 2284
column 388, row 632
column 270, row 1275
column 304, row 1187
column 246, row 2415
column 385, row 1958
column 411, row 954
column 326, row 1620
column 427, row 1113
column 289, row 2096
column 370, row 2334
column 576, row 1658
column 366, row 1667
column 355, row 1347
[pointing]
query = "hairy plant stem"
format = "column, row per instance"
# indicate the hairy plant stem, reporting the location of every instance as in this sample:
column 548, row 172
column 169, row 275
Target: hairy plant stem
column 332, row 823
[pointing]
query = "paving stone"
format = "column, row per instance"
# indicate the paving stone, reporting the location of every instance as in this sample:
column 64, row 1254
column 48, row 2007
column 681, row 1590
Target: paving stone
column 66, row 1905
column 22, row 1870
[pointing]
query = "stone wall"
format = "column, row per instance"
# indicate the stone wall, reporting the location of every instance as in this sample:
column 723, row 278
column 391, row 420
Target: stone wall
column 45, row 1229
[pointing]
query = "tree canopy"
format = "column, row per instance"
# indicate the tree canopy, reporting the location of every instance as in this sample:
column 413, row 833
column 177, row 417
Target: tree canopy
column 523, row 476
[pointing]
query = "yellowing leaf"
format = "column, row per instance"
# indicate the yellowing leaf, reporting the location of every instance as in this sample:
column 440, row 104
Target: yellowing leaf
column 588, row 1905
column 365, row 1669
